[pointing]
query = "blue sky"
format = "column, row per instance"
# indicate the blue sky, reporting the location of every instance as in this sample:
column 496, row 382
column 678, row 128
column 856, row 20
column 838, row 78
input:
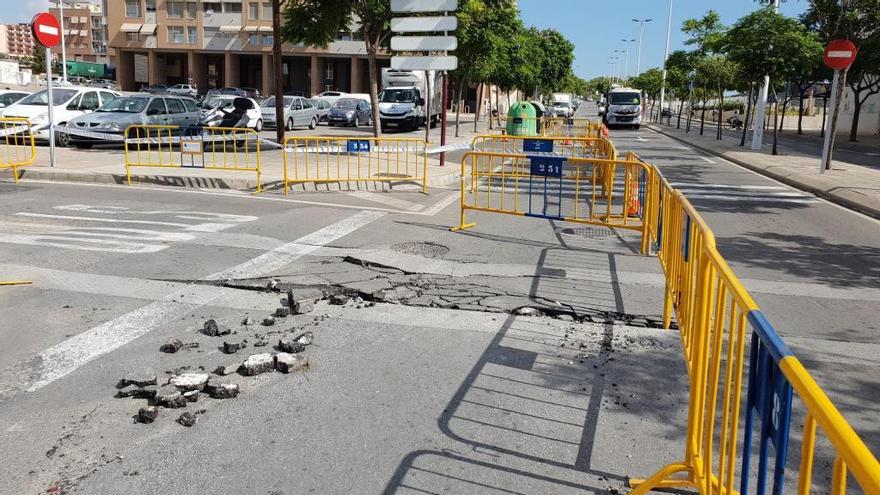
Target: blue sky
column 596, row 27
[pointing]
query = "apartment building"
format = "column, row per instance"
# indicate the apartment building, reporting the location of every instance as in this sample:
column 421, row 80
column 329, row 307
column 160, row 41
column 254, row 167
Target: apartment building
column 213, row 44
column 16, row 40
column 85, row 32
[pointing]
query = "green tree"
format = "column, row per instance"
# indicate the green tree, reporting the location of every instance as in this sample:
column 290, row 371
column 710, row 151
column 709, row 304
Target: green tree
column 37, row 60
column 557, row 60
column 678, row 65
column 766, row 42
column 317, row 23
column 720, row 74
column 864, row 79
column 649, row 82
column 705, row 33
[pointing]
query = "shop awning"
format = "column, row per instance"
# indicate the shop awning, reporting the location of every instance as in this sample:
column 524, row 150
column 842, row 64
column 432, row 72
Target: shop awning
column 148, row 29
column 230, row 29
column 265, row 29
column 130, row 28
column 252, row 29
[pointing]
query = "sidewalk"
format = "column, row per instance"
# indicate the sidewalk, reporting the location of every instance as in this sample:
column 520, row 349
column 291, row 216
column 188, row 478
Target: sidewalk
column 852, row 186
column 106, row 164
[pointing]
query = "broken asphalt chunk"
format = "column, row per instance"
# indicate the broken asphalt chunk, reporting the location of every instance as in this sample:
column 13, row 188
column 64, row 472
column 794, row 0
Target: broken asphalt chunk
column 147, row 414
column 339, row 299
column 189, row 381
column 147, row 392
column 228, row 369
column 191, row 396
column 282, row 312
column 233, row 347
column 293, row 346
column 140, row 378
column 305, row 338
column 171, row 346
column 223, row 390
column 169, row 396
column 303, row 307
column 258, row 363
column 289, row 363
column 188, row 419
column 268, row 321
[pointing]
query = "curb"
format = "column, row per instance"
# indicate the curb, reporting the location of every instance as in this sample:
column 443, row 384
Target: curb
column 871, row 211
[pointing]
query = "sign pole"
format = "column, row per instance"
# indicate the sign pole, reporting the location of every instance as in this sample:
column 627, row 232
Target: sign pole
column 828, row 142
column 445, row 99
column 839, row 55
column 50, row 101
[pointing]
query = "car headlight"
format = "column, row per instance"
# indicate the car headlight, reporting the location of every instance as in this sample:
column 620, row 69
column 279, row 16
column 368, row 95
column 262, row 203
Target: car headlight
column 39, row 119
column 110, row 125
column 349, row 114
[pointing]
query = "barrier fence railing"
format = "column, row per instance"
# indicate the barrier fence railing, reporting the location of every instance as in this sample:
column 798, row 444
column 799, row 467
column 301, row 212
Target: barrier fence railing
column 17, row 147
column 549, row 127
column 211, row 148
column 716, row 317
column 339, row 159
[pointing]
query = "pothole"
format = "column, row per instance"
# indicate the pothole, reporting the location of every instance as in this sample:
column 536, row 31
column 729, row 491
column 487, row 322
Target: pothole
column 588, row 232
column 424, row 249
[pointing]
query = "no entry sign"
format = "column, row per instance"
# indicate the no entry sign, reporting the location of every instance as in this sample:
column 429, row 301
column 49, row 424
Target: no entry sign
column 46, row 29
column 840, row 54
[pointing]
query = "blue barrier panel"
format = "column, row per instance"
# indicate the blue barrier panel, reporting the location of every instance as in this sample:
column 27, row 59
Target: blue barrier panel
column 358, row 146
column 538, row 146
column 769, row 402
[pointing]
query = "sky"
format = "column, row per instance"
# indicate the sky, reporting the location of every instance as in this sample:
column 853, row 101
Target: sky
column 596, row 27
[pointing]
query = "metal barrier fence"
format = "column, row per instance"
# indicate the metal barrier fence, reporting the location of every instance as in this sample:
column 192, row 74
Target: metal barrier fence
column 339, row 159
column 17, row 148
column 210, row 148
column 583, row 190
column 549, row 127
column 596, row 147
column 714, row 313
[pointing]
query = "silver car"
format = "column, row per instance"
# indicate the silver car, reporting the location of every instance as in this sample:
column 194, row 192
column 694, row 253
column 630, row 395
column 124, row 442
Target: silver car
column 298, row 112
column 116, row 115
column 184, row 90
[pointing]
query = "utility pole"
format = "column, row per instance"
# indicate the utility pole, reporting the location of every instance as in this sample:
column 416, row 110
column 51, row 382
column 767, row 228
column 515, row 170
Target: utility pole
column 642, row 23
column 63, row 50
column 761, row 109
column 665, row 59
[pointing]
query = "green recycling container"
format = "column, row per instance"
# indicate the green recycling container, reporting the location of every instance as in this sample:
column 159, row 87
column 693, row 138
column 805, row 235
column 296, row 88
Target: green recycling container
column 522, row 119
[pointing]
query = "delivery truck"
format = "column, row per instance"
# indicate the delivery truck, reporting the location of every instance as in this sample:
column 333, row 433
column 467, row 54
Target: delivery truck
column 403, row 102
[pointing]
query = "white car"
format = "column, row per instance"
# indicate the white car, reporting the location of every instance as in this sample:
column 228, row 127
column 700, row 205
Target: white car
column 9, row 96
column 330, row 96
column 216, row 108
column 183, row 90
column 68, row 102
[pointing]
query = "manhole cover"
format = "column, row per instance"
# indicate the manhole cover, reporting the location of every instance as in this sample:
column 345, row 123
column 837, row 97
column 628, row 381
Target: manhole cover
column 424, row 249
column 589, row 232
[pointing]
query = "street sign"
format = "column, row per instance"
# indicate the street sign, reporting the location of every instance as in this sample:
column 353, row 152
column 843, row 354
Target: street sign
column 423, row 5
column 46, row 29
column 840, row 54
column 538, row 145
column 424, row 43
column 424, row 24
column 424, row 63
column 547, row 166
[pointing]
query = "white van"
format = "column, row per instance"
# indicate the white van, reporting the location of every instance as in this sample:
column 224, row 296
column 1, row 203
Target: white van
column 68, row 102
column 624, row 108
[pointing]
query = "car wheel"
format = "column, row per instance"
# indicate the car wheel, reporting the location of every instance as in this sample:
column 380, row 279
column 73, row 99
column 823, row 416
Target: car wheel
column 636, row 127
column 83, row 146
column 289, row 125
column 259, row 126
column 433, row 122
column 357, row 121
column 62, row 139
column 313, row 123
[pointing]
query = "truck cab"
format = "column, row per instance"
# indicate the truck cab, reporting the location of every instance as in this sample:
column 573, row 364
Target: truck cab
column 624, row 108
column 403, row 102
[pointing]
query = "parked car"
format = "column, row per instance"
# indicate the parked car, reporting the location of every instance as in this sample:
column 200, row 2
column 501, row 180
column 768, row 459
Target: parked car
column 323, row 108
column 350, row 111
column 219, row 109
column 563, row 109
column 253, row 93
column 330, row 97
column 68, row 102
column 155, row 88
column 298, row 111
column 8, row 97
column 104, row 83
column 115, row 116
column 183, row 90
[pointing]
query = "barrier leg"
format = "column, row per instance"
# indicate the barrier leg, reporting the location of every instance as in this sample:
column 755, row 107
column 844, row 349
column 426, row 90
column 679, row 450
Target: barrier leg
column 663, row 479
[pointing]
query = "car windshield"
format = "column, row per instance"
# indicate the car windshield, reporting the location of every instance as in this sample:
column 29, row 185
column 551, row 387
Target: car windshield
column 270, row 103
column 215, row 102
column 126, row 104
column 346, row 103
column 625, row 98
column 398, row 96
column 59, row 96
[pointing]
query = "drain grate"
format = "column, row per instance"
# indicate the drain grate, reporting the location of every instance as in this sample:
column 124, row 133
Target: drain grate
column 424, row 249
column 589, row 232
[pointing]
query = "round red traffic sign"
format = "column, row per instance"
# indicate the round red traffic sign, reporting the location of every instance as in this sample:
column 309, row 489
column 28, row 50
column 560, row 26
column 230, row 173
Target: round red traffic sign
column 46, row 29
column 840, row 54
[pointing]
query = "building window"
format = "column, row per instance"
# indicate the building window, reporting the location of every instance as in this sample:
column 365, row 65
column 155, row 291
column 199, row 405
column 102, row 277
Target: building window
column 133, row 37
column 212, row 32
column 175, row 34
column 175, row 9
column 191, row 10
column 133, row 8
column 151, row 5
column 267, row 11
column 211, row 7
column 253, row 11
column 267, row 40
column 192, row 35
column 254, row 39
column 232, row 8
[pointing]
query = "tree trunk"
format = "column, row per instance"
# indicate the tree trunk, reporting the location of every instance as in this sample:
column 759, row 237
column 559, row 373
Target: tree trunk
column 680, row 109
column 477, row 106
column 742, row 139
column 720, row 113
column 785, row 101
column 498, row 105
column 775, row 124
column 458, row 89
column 857, row 111
column 372, row 48
column 801, row 111
column 703, row 116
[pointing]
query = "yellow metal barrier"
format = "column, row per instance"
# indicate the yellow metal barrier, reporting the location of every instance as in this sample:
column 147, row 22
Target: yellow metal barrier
column 17, row 148
column 597, row 147
column 339, row 159
column 593, row 191
column 551, row 126
column 714, row 312
column 209, row 148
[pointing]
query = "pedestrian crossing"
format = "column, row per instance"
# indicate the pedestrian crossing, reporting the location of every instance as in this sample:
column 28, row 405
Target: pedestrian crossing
column 764, row 194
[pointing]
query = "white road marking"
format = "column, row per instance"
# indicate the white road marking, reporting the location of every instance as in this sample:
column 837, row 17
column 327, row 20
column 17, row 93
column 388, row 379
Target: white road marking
column 707, row 160
column 101, row 219
column 61, row 240
column 67, row 356
column 728, row 186
column 437, row 208
column 753, row 199
column 387, row 199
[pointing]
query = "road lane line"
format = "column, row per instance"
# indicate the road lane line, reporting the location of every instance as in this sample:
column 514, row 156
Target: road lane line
column 102, row 219
column 707, row 160
column 67, row 356
column 386, row 199
column 754, row 199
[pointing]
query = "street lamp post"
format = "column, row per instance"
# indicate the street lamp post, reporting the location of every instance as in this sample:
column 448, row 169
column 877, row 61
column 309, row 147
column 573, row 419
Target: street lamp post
column 642, row 23
column 63, row 51
column 628, row 42
column 666, row 58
